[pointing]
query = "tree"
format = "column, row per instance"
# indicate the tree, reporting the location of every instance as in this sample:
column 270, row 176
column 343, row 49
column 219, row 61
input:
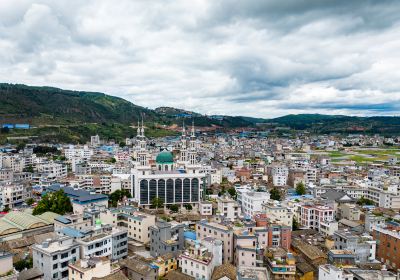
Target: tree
column 275, row 194
column 23, row 264
column 364, row 201
column 295, row 224
column 30, row 201
column 118, row 196
column 56, row 202
column 5, row 130
column 157, row 202
column 188, row 207
column 300, row 188
column 174, row 208
column 28, row 168
column 232, row 192
column 6, row 209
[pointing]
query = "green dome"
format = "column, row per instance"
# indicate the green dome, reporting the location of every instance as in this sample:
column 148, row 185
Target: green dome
column 165, row 157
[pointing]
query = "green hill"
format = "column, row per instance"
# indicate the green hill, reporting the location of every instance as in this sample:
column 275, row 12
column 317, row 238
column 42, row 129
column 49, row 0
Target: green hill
column 73, row 116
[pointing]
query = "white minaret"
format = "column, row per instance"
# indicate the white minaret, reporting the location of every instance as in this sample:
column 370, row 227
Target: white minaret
column 183, row 148
column 192, row 147
column 142, row 157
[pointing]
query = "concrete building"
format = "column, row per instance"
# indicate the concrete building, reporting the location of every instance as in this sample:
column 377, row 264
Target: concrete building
column 252, row 202
column 228, row 208
column 331, row 272
column 52, row 257
column 280, row 264
column 105, row 241
column 364, row 247
column 52, row 169
column 87, row 269
column 200, row 259
column 388, row 240
column 225, row 234
column 136, row 222
column 166, row 238
column 318, row 217
column 277, row 213
column 137, row 269
column 12, row 195
column 205, row 208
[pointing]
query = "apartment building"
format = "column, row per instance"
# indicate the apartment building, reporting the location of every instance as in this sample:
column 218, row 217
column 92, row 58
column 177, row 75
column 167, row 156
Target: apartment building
column 388, row 241
column 87, row 269
column 318, row 217
column 166, row 238
column 281, row 264
column 211, row 229
column 363, row 246
column 56, row 170
column 205, row 208
column 52, row 257
column 105, row 241
column 12, row 162
column 200, row 259
column 279, row 175
column 135, row 222
column 245, row 244
column 228, row 208
column 331, row 272
column 252, row 202
column 277, row 213
column 12, row 195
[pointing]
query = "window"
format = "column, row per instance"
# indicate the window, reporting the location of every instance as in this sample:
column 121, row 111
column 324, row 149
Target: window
column 55, row 266
column 55, row 257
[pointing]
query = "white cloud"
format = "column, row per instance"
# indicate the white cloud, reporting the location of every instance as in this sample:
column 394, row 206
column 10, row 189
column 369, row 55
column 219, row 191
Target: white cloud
column 255, row 58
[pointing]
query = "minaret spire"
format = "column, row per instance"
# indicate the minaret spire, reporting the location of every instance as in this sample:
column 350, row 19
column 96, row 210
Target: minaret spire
column 183, row 128
column 193, row 132
column 142, row 130
column 138, row 128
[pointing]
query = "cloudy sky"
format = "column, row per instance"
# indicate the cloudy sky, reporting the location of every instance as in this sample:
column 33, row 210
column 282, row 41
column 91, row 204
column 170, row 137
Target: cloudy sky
column 257, row 58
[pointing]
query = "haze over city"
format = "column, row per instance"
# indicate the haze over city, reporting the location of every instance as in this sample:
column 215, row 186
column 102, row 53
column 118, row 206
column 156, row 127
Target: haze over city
column 252, row 58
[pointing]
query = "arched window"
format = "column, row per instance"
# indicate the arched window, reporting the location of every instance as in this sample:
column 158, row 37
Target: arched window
column 144, row 192
column 170, row 191
column 161, row 189
column 195, row 190
column 178, row 191
column 186, row 190
column 153, row 189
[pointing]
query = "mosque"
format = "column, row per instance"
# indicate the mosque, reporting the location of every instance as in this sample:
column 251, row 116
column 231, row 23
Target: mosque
column 175, row 181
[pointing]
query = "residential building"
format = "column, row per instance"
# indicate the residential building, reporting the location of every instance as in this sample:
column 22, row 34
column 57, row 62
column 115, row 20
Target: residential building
column 363, row 246
column 252, row 202
column 225, row 234
column 52, row 257
column 87, row 269
column 388, row 242
column 136, row 222
column 166, row 238
column 205, row 208
column 138, row 269
column 200, row 259
column 277, row 213
column 318, row 217
column 281, row 264
column 228, row 208
column 331, row 272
